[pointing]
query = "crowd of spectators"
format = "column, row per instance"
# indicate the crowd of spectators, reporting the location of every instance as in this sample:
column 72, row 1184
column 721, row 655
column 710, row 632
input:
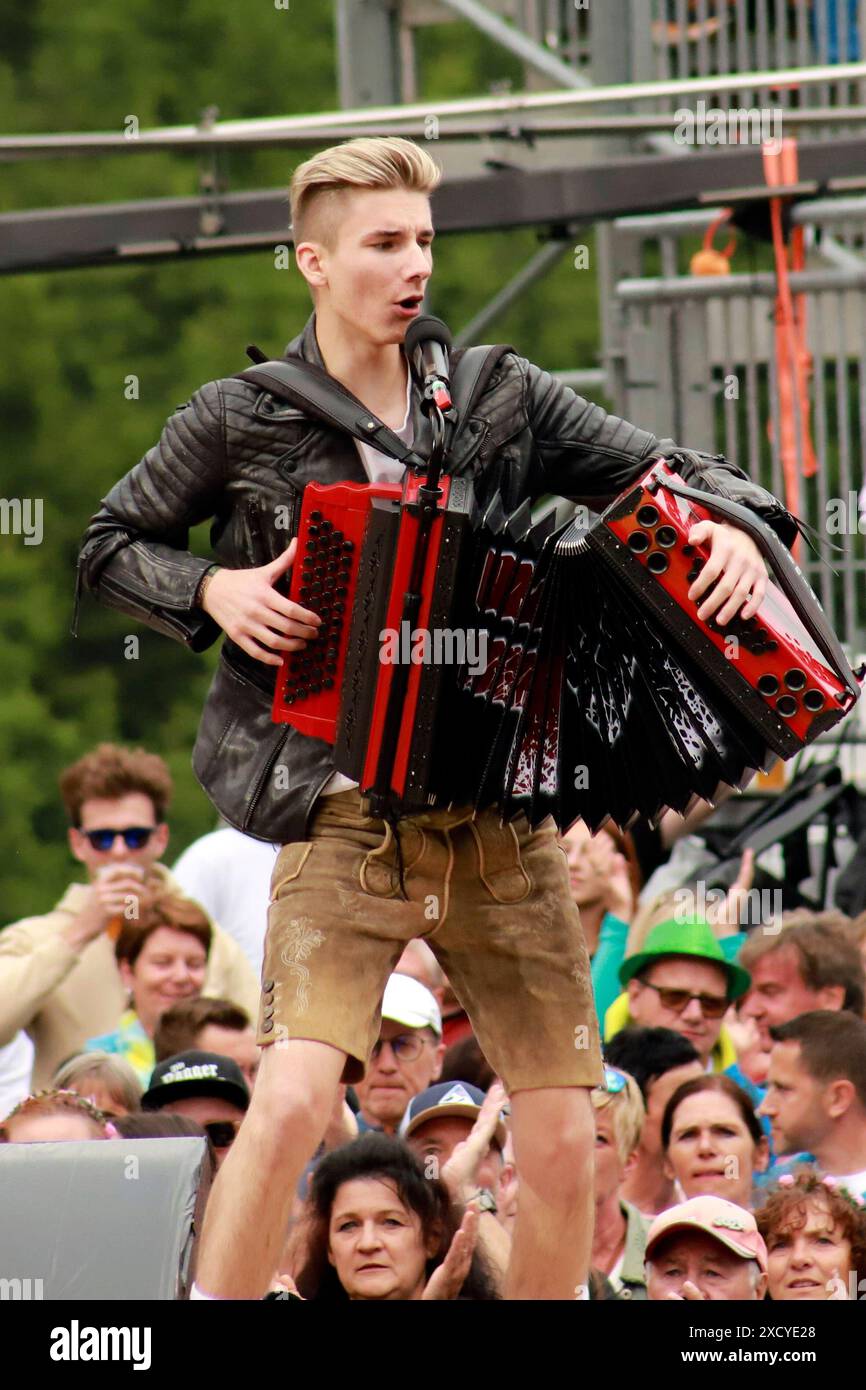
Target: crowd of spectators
column 730, row 1156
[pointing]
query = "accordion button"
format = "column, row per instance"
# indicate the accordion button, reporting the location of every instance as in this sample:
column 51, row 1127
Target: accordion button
column 787, row 706
column 332, row 653
column 313, row 530
column 305, row 591
column 348, row 546
column 338, row 536
column 327, row 526
column 688, row 550
column 329, row 684
column 813, row 700
column 768, row 685
column 331, row 667
column 795, row 679
column 315, row 516
column 647, row 515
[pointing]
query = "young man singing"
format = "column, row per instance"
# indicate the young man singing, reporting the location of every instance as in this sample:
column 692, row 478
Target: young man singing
column 507, row 933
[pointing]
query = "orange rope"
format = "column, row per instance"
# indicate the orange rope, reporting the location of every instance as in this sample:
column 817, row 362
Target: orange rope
column 793, row 363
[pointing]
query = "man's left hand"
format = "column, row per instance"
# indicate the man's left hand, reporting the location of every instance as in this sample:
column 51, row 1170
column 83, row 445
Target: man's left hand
column 736, row 563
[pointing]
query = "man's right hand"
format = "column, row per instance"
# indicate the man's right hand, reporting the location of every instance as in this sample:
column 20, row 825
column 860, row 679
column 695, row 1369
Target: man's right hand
column 107, row 899
column 254, row 615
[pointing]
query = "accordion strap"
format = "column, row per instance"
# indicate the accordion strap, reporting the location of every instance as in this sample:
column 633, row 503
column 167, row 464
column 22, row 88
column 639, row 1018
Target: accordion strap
column 310, row 388
column 786, row 571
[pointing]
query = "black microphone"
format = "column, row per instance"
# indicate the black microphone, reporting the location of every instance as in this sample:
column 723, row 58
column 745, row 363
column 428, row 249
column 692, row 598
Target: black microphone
column 427, row 344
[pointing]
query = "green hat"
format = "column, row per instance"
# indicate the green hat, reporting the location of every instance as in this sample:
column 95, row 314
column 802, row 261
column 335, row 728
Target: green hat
column 692, row 937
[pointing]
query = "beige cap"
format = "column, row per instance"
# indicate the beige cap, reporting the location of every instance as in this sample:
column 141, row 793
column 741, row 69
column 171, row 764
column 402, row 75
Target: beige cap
column 732, row 1226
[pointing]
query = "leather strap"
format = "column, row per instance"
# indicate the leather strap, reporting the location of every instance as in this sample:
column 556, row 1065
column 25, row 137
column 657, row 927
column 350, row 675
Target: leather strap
column 311, row 389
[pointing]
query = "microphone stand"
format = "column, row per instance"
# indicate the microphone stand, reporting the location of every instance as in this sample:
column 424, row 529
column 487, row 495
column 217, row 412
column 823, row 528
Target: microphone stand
column 425, row 508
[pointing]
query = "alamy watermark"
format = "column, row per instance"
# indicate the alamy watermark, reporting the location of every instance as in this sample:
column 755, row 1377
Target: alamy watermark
column 711, row 125
column 440, row 646
column 23, row 1290
column 754, row 907
column 22, row 516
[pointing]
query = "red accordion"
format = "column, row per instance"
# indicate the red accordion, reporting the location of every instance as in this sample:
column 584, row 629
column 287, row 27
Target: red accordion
column 585, row 685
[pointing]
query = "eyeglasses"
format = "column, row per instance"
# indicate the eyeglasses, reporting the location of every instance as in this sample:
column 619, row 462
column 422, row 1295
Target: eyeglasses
column 712, row 1005
column 222, row 1133
column 134, row 837
column 406, row 1048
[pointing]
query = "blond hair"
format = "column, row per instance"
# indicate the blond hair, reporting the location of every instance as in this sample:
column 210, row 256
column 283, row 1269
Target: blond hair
column 627, row 1113
column 115, row 1073
column 319, row 184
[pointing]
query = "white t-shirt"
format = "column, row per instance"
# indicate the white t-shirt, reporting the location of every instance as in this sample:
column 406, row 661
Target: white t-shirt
column 16, row 1064
column 854, row 1182
column 229, row 874
column 379, row 469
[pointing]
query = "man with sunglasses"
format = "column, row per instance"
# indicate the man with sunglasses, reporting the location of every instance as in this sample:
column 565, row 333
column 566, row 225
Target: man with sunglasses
column 406, row 1059
column 205, row 1087
column 681, row 980
column 58, row 977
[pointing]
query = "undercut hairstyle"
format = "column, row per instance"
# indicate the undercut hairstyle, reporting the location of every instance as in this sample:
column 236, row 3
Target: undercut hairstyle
column 786, row 1210
column 319, row 184
column 55, row 1102
column 388, row 1160
column 627, row 1111
column 826, row 953
column 109, row 772
column 832, row 1046
column 720, row 1085
column 114, row 1073
column 647, row 1053
column 161, row 910
column 179, row 1027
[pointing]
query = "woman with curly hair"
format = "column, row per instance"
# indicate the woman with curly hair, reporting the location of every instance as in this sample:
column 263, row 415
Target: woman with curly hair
column 377, row 1228
column 815, row 1232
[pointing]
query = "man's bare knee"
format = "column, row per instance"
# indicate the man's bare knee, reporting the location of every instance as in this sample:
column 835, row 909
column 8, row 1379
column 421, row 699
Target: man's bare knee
column 296, row 1084
column 554, row 1138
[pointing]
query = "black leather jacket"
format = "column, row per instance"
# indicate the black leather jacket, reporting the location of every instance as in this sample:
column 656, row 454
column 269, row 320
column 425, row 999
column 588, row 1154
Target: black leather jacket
column 239, row 456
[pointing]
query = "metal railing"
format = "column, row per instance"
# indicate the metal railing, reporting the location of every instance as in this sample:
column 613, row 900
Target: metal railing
column 699, row 366
column 706, row 38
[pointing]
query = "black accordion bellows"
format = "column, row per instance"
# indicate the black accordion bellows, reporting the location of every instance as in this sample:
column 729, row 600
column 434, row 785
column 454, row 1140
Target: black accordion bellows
column 590, row 711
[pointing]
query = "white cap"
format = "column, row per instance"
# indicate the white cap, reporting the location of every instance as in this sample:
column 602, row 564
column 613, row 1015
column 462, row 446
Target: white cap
column 409, row 1002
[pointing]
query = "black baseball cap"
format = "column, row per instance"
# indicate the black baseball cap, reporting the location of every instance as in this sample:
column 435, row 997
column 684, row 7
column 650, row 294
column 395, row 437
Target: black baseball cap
column 196, row 1073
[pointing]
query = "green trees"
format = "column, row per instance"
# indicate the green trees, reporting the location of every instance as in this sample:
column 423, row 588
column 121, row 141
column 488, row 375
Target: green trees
column 96, row 359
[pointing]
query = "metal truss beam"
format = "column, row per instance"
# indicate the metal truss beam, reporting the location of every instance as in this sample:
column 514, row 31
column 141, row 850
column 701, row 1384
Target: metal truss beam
column 336, row 124
column 105, row 234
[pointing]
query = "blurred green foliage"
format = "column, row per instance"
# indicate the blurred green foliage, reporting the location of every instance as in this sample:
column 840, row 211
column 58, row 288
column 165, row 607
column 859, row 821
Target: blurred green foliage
column 74, row 337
